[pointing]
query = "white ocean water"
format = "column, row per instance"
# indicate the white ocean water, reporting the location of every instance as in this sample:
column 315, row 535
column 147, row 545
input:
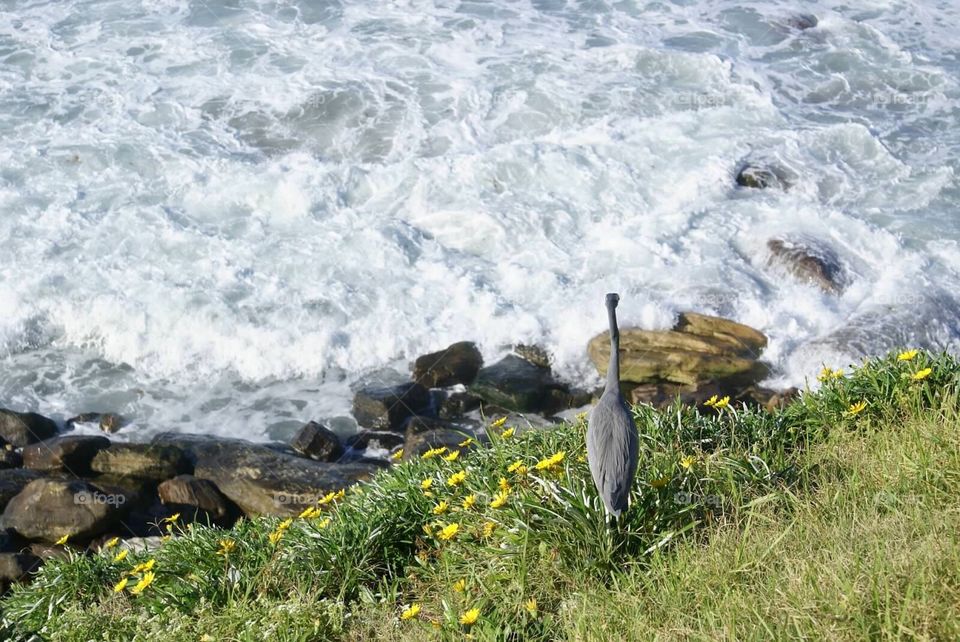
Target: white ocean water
column 217, row 216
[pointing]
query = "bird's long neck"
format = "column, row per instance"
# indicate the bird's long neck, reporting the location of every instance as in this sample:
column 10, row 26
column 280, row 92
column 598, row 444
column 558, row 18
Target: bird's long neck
column 613, row 369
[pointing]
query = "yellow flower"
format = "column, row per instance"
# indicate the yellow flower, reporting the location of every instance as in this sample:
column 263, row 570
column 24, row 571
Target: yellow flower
column 550, row 462
column 340, row 494
column 487, row 529
column 469, row 617
column 503, row 484
column 411, row 612
column 226, row 546
column 456, row 478
column 531, row 606
column 433, row 452
column 441, row 508
column 500, row 499
column 712, row 400
column 110, row 543
column 326, row 499
column 173, row 518
column 452, row 456
column 466, row 442
column 469, row 501
column 517, row 467
column 907, row 355
column 920, row 375
column 428, row 529
column 581, row 416
column 397, row 456
column 426, row 484
column 285, row 524
column 508, row 433
column 498, row 422
column 687, row 462
column 460, row 585
column 276, row 536
column 308, row 512
column 140, row 568
column 837, row 374
column 723, row 403
column 661, row 481
column 144, row 582
column 323, row 523
column 119, row 586
column 122, row 555
column 62, row 540
column 825, row 374
column 856, row 408
column 449, row 531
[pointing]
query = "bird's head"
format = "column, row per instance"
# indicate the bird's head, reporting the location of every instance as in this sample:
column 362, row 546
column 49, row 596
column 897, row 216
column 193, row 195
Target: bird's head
column 612, row 300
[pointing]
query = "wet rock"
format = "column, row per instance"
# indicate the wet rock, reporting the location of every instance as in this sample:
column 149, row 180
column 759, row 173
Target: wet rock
column 386, row 408
column 803, row 21
column 382, row 439
column 24, row 428
column 13, row 481
column 699, row 347
column 457, row 364
column 49, row 551
column 560, row 399
column 72, row 453
column 452, row 405
column 10, row 458
column 48, row 509
column 147, row 461
column 757, row 176
column 513, row 383
column 198, row 500
column 317, row 442
column 108, row 422
column 418, row 443
column 534, row 354
column 769, row 398
column 809, row 261
column 262, row 481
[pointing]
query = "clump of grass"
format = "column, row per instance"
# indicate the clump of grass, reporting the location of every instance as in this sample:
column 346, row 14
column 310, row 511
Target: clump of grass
column 494, row 541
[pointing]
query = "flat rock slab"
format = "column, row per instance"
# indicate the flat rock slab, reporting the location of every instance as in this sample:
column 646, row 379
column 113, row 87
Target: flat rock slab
column 699, row 347
column 262, row 481
column 24, row 428
column 145, row 461
column 48, row 509
column 386, row 408
column 72, row 453
column 457, row 364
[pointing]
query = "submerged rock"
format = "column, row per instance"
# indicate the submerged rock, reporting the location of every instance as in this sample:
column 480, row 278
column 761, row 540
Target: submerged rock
column 383, row 439
column 71, row 453
column 534, row 354
column 809, row 261
column 48, row 509
column 756, row 176
column 803, row 21
column 317, row 442
column 699, row 347
column 24, row 428
column 457, row 364
column 386, row 408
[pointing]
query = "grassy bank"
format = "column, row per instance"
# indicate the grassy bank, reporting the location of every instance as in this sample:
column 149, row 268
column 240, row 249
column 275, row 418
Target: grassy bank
column 834, row 518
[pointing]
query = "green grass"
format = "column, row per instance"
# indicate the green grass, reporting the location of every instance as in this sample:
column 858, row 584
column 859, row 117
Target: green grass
column 808, row 523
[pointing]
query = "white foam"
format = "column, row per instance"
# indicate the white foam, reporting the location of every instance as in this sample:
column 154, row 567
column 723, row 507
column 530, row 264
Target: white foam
column 218, row 217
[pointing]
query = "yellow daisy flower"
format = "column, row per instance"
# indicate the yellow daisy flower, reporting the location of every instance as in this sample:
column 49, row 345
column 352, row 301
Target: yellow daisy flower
column 487, row 529
column 110, row 543
column 441, row 508
column 456, row 478
column 550, row 462
column 397, row 456
column 531, row 606
column 452, row 456
column 449, row 531
column 226, row 546
column 469, row 501
column 469, row 617
column 144, row 582
column 411, row 612
column 426, row 484
column 119, row 586
column 433, row 452
column 687, row 462
column 503, row 484
column 62, row 540
column 498, row 422
column 712, row 400
column 920, row 375
column 460, row 585
column 508, row 433
column 466, row 442
column 500, row 499
column 856, row 408
column 907, row 355
column 722, row 403
column 122, row 555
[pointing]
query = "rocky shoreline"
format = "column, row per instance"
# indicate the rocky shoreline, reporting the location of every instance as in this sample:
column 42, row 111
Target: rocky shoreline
column 63, row 491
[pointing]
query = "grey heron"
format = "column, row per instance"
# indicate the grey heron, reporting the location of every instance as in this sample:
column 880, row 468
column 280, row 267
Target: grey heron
column 611, row 434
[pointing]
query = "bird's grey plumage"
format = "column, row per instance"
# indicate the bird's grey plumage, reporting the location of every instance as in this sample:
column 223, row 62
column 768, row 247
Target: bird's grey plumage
column 612, row 435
